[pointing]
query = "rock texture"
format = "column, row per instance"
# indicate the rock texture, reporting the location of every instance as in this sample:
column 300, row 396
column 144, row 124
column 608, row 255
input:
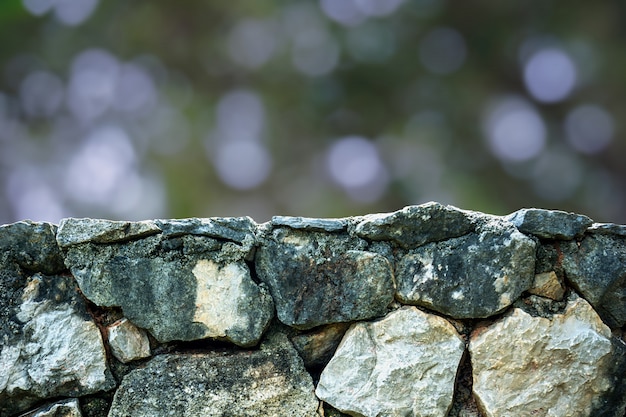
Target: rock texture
column 597, row 269
column 66, row 408
column 564, row 366
column 320, row 278
column 550, row 224
column 548, row 285
column 127, row 341
column 475, row 275
column 58, row 351
column 267, row 382
column 416, row 225
column 402, row 365
column 179, row 279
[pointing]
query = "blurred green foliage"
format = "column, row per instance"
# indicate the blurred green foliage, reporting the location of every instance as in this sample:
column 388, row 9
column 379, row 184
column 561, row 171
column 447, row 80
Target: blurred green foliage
column 419, row 95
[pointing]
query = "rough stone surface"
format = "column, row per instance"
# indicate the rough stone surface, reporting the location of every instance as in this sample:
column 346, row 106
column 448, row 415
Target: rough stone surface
column 320, row 278
column 596, row 268
column 402, row 365
column 547, row 284
column 307, row 223
column 317, row 346
column 608, row 229
column 550, row 224
column 57, row 350
column 75, row 231
column 182, row 284
column 559, row 367
column 66, row 408
column 416, row 225
column 32, row 246
column 267, row 382
column 472, row 276
column 127, row 341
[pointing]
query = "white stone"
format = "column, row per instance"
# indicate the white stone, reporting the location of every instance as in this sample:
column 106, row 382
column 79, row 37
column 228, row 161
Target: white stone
column 402, row 365
column 127, row 341
column 527, row 366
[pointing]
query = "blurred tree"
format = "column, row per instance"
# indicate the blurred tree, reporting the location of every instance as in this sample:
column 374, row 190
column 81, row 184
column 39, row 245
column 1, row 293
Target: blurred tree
column 317, row 108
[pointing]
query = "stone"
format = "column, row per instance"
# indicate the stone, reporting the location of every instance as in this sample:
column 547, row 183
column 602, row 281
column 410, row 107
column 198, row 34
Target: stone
column 563, row 366
column 473, row 276
column 127, row 341
column 317, row 346
column 548, row 285
column 414, row 226
column 596, row 268
column 270, row 381
column 57, row 350
column 32, row 246
column 319, row 278
column 76, row 231
column 177, row 286
column 608, row 229
column 550, row 224
column 66, row 408
column 402, row 365
column 308, row 223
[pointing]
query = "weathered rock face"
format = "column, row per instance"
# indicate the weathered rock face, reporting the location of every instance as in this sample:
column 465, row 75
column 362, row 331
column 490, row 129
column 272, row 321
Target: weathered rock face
column 475, row 275
column 416, row 225
column 597, row 269
column 57, row 351
column 267, row 382
column 550, row 224
column 127, row 341
column 180, row 279
column 564, row 366
column 32, row 246
column 402, row 365
column 66, row 408
column 317, row 346
column 320, row 278
column 548, row 285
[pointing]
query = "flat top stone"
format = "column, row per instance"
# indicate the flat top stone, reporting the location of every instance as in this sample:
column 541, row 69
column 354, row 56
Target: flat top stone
column 76, row 231
column 236, row 229
column 550, row 224
column 607, row 229
column 416, row 225
column 309, row 223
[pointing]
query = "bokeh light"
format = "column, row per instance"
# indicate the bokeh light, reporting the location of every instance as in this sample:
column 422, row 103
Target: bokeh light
column 310, row 108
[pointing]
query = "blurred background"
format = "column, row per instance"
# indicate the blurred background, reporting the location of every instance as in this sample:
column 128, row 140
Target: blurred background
column 158, row 109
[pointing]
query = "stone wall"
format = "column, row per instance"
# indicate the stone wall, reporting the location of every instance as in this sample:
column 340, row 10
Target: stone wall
column 427, row 311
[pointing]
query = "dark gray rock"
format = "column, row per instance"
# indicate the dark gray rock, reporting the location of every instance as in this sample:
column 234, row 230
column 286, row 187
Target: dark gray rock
column 473, row 276
column 308, row 223
column 320, row 278
column 76, row 231
column 268, row 382
column 32, row 246
column 550, row 224
column 55, row 349
column 235, row 229
column 608, row 229
column 179, row 287
column 317, row 346
column 596, row 268
column 416, row 225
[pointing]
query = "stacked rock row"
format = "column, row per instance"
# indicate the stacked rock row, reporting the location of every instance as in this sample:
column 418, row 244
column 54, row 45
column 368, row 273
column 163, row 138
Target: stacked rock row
column 427, row 311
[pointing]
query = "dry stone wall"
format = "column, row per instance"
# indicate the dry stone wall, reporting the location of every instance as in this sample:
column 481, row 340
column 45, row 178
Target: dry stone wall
column 427, row 311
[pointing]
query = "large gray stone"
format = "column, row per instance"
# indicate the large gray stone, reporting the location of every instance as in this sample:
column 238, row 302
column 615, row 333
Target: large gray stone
column 181, row 284
column 596, row 268
column 32, row 246
column 472, row 276
column 56, row 351
column 563, row 366
column 320, row 278
column 550, row 224
column 402, row 365
column 268, row 382
column 416, row 225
